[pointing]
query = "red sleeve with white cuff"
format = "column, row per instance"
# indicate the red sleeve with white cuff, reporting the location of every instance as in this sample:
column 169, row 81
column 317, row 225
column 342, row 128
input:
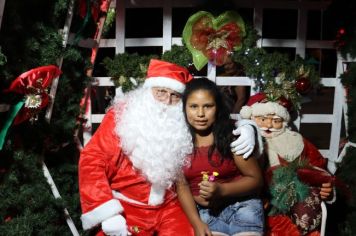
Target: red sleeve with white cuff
column 97, row 201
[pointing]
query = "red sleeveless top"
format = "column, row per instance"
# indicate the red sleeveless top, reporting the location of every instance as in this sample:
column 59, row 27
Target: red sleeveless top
column 199, row 162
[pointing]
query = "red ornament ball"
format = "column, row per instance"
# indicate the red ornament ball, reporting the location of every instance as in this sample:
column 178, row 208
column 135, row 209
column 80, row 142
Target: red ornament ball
column 303, row 85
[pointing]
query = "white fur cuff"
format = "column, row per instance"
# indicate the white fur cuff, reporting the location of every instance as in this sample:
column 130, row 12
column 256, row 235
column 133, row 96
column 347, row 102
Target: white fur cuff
column 101, row 213
column 331, row 201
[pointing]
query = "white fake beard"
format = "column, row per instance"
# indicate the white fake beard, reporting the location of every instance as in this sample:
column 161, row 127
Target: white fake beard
column 272, row 132
column 154, row 136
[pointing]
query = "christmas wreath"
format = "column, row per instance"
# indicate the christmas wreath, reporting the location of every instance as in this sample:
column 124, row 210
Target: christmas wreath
column 213, row 39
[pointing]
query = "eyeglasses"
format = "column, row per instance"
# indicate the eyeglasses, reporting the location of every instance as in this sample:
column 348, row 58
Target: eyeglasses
column 163, row 95
column 273, row 120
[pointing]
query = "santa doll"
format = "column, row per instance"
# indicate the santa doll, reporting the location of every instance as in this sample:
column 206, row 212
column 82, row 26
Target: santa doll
column 295, row 170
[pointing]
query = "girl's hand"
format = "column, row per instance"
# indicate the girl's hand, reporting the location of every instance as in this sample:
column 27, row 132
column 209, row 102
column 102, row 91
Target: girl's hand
column 201, row 201
column 209, row 190
column 202, row 229
column 326, row 191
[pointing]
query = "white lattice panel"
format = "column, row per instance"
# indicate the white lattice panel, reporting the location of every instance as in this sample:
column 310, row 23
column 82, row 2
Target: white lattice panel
column 120, row 43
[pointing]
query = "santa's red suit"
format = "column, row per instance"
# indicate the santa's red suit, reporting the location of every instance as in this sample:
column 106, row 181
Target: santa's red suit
column 109, row 185
column 282, row 149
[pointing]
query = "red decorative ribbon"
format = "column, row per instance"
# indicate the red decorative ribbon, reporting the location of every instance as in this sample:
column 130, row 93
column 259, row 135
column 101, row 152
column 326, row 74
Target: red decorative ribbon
column 33, row 82
column 316, row 177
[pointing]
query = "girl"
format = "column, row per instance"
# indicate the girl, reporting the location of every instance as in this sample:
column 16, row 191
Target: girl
column 218, row 190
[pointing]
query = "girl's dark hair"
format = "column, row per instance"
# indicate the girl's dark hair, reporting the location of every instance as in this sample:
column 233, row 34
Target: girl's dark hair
column 223, row 126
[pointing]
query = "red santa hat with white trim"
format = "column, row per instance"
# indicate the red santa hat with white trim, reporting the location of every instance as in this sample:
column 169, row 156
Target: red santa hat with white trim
column 167, row 75
column 258, row 105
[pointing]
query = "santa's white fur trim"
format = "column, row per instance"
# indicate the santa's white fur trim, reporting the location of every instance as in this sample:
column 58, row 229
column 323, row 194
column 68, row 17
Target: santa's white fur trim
column 122, row 197
column 156, row 195
column 101, row 213
column 270, row 108
column 164, row 82
column 246, row 112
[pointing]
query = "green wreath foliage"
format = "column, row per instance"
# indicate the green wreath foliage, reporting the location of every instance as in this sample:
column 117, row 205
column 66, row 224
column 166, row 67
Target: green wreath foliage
column 127, row 70
column 179, row 55
column 286, row 189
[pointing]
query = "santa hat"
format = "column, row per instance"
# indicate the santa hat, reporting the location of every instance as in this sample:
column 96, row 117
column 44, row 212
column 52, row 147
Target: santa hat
column 258, row 105
column 168, row 75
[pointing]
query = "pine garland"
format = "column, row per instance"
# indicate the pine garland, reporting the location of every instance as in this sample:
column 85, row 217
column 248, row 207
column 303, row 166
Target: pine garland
column 346, row 170
column 31, row 43
column 349, row 81
column 179, row 55
column 127, row 70
column 109, row 22
column 345, row 208
column 286, row 189
column 30, row 38
column 27, row 204
column 274, row 73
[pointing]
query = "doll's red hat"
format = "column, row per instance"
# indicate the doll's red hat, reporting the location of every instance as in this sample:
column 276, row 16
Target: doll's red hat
column 167, row 75
column 258, row 105
column 258, row 97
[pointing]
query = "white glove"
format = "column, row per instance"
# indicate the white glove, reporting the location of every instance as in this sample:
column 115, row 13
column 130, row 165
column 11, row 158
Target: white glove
column 115, row 226
column 245, row 142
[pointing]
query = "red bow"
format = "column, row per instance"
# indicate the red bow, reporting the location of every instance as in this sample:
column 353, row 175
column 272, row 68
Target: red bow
column 216, row 45
column 33, row 84
column 315, row 176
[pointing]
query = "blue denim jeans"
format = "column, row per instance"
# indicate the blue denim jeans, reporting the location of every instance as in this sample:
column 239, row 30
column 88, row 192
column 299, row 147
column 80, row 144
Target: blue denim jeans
column 241, row 216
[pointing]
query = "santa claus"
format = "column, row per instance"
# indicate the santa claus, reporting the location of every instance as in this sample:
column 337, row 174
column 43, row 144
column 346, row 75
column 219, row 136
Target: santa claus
column 128, row 169
column 294, row 203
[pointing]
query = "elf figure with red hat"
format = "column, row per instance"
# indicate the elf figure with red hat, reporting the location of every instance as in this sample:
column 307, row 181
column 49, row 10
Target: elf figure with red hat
column 128, row 169
column 296, row 173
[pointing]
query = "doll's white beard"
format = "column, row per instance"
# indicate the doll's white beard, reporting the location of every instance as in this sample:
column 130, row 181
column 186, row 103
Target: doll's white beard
column 154, row 136
column 289, row 146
